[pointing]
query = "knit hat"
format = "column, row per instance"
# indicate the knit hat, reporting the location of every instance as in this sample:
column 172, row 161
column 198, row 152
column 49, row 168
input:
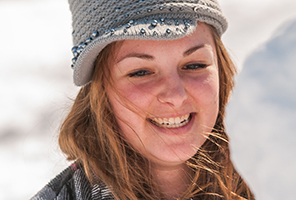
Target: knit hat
column 97, row 23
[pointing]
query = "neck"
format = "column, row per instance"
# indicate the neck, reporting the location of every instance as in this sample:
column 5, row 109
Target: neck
column 172, row 181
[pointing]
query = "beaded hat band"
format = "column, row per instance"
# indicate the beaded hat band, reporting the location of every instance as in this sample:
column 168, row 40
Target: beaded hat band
column 97, row 23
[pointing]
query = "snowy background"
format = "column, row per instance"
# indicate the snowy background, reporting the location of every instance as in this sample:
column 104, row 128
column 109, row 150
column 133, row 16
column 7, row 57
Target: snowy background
column 37, row 91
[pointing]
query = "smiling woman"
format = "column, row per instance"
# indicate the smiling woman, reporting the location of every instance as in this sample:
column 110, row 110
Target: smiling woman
column 148, row 121
column 169, row 82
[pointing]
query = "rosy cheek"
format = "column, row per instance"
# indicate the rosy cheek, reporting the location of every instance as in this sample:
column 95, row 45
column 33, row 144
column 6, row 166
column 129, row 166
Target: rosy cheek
column 133, row 93
column 205, row 87
column 139, row 94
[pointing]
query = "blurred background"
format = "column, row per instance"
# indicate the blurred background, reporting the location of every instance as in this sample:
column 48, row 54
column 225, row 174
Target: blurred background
column 37, row 92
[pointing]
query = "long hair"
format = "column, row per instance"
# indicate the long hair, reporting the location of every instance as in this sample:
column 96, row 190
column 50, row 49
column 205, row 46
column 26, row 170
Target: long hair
column 90, row 136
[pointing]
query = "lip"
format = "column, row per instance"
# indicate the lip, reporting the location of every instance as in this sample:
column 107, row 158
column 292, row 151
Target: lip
column 175, row 131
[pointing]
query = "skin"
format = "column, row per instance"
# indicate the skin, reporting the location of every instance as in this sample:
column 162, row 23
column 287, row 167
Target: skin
column 166, row 79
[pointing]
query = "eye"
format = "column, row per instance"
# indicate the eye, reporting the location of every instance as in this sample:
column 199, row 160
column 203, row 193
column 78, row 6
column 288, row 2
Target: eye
column 195, row 66
column 140, row 73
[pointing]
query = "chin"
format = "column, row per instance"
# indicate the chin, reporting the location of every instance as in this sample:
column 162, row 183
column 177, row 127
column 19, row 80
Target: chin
column 173, row 155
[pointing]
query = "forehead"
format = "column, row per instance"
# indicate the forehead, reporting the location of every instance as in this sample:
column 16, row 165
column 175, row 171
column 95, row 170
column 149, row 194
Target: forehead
column 201, row 35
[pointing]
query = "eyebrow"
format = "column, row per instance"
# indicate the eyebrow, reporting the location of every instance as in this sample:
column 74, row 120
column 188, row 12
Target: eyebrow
column 136, row 55
column 149, row 57
column 193, row 49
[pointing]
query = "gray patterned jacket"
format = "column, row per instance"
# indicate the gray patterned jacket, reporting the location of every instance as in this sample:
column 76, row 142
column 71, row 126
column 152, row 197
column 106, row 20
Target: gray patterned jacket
column 72, row 184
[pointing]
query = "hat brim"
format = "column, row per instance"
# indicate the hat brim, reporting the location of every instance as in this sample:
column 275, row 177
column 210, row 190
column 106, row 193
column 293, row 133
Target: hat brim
column 144, row 29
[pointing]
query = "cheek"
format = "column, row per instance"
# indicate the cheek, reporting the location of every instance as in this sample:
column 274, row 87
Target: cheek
column 130, row 122
column 128, row 110
column 124, row 116
column 205, row 90
column 122, row 104
column 138, row 96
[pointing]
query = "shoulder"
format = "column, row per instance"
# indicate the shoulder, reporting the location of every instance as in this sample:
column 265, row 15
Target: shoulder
column 69, row 184
column 73, row 184
column 62, row 186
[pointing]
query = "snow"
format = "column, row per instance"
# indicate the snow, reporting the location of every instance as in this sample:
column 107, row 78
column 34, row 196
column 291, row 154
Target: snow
column 36, row 88
column 264, row 109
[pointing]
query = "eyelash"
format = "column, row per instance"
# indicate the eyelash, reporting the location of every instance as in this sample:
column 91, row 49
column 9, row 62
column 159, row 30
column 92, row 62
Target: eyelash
column 196, row 66
column 143, row 72
column 140, row 73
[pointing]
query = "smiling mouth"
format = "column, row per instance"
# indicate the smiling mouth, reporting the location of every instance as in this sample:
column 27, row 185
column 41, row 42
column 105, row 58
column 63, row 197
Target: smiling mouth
column 171, row 122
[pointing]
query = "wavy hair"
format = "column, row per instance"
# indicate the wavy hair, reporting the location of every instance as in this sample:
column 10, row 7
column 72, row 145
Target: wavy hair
column 90, row 136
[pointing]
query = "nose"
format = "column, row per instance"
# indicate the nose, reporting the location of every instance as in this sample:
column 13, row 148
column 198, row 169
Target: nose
column 172, row 91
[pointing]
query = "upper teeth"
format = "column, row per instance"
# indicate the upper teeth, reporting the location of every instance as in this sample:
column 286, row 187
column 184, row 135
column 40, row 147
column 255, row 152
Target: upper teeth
column 171, row 122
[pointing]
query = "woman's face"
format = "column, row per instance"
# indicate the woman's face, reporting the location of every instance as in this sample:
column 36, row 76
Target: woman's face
column 167, row 95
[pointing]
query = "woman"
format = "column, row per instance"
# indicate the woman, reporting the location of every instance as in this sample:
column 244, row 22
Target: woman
column 148, row 121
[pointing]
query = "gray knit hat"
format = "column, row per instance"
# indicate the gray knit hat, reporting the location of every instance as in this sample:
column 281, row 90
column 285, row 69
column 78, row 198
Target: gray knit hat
column 97, row 23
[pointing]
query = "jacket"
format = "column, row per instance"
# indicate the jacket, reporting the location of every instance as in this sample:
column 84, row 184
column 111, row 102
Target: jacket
column 72, row 184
